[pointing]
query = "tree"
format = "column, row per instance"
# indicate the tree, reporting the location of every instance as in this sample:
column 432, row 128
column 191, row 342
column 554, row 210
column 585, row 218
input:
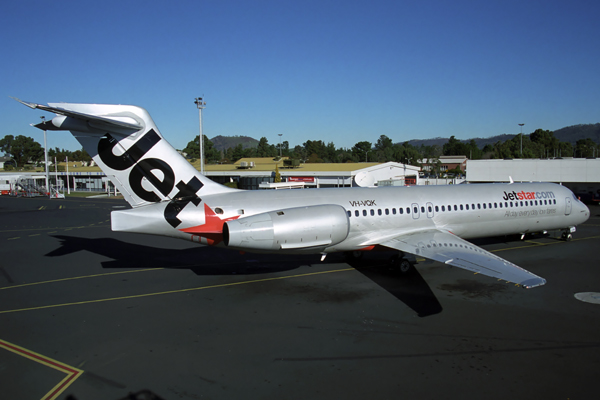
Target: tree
column 211, row 154
column 546, row 142
column 80, row 155
column 384, row 149
column 586, row 148
column 6, row 144
column 22, row 148
column 264, row 149
column 277, row 174
column 455, row 147
column 361, row 149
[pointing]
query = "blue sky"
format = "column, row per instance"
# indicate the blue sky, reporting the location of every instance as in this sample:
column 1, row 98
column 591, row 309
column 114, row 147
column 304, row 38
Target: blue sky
column 337, row 71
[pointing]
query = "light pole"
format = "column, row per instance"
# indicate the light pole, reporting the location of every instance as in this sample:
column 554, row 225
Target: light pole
column 280, row 135
column 45, row 155
column 201, row 105
column 521, row 125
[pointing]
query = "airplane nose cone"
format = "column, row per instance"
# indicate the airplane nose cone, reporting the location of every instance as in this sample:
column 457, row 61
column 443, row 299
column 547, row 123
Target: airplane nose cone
column 586, row 212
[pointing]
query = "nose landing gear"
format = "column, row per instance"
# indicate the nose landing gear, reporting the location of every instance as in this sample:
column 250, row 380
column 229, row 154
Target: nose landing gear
column 566, row 236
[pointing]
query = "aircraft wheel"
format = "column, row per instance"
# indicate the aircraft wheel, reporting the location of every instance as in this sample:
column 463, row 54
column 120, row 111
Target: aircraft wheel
column 404, row 266
column 567, row 236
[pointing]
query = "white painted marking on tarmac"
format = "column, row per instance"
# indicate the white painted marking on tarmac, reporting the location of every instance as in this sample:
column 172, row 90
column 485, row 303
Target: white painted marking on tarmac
column 588, row 297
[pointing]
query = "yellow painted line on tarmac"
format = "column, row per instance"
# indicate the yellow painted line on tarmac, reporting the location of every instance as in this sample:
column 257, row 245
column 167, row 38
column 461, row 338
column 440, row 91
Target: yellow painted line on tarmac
column 79, row 277
column 136, row 296
column 532, row 242
column 72, row 372
column 14, row 238
column 44, row 229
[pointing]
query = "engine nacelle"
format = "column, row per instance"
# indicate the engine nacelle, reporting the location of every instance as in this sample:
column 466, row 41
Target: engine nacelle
column 300, row 228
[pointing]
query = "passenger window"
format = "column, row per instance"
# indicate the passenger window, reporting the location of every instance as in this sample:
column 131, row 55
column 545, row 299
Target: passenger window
column 461, row 207
column 499, row 204
column 472, row 206
column 387, row 211
column 401, row 210
column 484, row 206
column 443, row 208
column 379, row 212
column 467, row 206
column 372, row 212
column 545, row 202
column 356, row 213
column 349, row 213
column 408, row 210
column 423, row 209
column 394, row 211
column 490, row 205
column 415, row 210
column 510, row 204
column 437, row 209
column 505, row 204
column 364, row 213
column 521, row 204
column 455, row 207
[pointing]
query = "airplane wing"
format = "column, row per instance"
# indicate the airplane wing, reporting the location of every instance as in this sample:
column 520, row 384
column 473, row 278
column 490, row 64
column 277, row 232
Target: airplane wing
column 449, row 249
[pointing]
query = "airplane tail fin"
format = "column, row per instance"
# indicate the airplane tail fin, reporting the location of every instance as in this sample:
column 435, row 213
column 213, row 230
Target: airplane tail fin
column 126, row 144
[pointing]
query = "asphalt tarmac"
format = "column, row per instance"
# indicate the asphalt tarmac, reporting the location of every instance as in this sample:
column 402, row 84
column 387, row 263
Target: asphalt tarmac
column 94, row 314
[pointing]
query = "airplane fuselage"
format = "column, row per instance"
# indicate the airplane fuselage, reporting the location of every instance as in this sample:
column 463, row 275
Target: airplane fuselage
column 468, row 211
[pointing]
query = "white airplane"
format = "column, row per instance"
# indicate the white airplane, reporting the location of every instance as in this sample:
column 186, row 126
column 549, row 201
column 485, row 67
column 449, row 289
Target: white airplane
column 170, row 197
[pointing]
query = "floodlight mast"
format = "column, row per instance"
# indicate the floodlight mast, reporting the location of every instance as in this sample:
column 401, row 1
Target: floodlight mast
column 280, row 135
column 521, row 125
column 201, row 105
column 46, row 157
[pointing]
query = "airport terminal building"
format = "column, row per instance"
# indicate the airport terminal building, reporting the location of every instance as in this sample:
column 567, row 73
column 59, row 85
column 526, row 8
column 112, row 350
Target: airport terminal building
column 582, row 176
column 247, row 173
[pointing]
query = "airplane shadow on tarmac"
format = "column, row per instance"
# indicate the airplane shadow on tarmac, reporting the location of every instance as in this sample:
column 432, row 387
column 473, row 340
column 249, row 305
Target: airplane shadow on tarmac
column 411, row 289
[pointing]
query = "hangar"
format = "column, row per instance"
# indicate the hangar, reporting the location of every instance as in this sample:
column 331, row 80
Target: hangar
column 581, row 175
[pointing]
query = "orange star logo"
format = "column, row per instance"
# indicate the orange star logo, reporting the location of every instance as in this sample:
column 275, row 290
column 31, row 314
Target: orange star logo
column 212, row 229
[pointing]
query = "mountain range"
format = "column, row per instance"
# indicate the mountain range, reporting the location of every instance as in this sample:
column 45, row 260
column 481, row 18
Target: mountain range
column 569, row 134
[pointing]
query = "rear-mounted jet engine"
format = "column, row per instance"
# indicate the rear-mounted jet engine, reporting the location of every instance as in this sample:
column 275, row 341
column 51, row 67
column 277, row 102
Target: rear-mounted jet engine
column 289, row 229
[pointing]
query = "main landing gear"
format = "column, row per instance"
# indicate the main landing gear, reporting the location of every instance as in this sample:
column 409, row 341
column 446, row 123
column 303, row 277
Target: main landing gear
column 401, row 264
column 398, row 263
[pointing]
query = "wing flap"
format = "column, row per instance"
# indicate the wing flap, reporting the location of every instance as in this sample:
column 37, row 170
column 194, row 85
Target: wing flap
column 449, row 249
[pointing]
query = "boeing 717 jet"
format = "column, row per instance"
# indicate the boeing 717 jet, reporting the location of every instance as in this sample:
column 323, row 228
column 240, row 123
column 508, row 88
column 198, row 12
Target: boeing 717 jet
column 169, row 197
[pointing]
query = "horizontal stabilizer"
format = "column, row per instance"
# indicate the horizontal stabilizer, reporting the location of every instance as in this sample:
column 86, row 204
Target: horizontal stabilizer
column 95, row 121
